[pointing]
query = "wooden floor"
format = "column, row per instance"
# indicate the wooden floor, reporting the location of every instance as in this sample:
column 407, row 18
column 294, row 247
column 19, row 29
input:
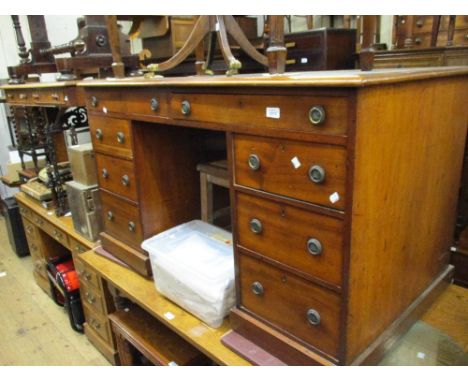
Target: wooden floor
column 33, row 329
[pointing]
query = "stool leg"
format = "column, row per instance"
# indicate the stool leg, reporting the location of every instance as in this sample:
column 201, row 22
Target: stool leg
column 206, row 196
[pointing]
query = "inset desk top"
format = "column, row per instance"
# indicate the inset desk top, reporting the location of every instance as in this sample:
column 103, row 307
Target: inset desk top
column 329, row 78
column 143, row 292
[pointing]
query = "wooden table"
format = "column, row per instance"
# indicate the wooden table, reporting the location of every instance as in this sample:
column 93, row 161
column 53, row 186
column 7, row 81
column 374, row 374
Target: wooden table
column 142, row 291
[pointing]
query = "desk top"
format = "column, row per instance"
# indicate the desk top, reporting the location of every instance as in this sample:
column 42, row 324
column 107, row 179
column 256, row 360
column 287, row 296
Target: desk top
column 65, row 223
column 329, row 78
column 144, row 293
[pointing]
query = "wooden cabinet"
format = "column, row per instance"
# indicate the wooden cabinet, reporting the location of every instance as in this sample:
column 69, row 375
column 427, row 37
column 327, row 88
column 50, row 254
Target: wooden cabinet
column 341, row 187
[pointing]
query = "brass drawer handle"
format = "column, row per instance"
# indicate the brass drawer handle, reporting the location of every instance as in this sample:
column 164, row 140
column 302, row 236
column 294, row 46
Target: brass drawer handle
column 314, row 246
column 29, row 229
column 105, row 173
column 290, row 44
column 418, row 40
column 257, row 288
column 121, row 137
column 99, row 134
column 34, row 247
column 57, row 234
column 317, row 115
column 110, row 216
column 185, row 108
column 54, row 96
column 317, row 174
column 254, row 162
column 256, row 226
column 79, row 249
column 291, row 61
column 420, row 23
column 38, row 221
column 35, row 96
column 23, row 96
column 95, row 323
column 313, row 317
column 90, row 298
column 154, row 104
column 125, row 180
column 87, row 276
column 94, row 101
column 131, row 226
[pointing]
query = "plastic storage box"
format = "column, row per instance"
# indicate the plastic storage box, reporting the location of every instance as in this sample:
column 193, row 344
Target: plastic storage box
column 193, row 265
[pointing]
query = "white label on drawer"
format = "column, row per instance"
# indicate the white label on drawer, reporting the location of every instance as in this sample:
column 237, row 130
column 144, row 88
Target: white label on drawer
column 334, row 197
column 304, row 60
column 273, row 112
column 296, row 162
column 169, row 315
column 104, row 110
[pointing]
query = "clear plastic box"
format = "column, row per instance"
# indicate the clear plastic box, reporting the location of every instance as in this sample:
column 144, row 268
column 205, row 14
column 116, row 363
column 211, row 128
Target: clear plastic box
column 193, row 265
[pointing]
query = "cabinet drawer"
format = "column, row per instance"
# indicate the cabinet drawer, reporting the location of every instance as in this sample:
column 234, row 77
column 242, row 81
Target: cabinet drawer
column 87, row 275
column 111, row 136
column 105, row 101
column 330, row 114
column 300, row 239
column 40, row 267
column 25, row 211
column 304, row 310
column 48, row 97
column 311, row 172
column 121, row 220
column 55, row 232
column 76, row 247
column 99, row 323
column 92, row 298
column 149, row 102
column 117, row 176
column 30, row 230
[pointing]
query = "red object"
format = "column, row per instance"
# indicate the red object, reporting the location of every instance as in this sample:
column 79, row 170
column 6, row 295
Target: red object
column 66, row 271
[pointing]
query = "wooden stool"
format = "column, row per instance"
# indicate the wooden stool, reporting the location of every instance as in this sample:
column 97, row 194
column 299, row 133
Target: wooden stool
column 212, row 173
column 135, row 329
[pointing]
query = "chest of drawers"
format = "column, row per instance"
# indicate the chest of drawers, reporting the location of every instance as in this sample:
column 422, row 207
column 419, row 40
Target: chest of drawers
column 342, row 185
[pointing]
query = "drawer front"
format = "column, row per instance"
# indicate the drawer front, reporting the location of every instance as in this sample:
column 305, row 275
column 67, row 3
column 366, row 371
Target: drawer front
column 25, row 211
column 422, row 40
column 87, row 275
column 117, row 176
column 423, row 24
column 76, row 247
column 40, row 267
column 148, row 102
column 304, row 310
column 330, row 114
column 48, row 97
column 105, row 101
column 92, row 298
column 121, row 220
column 30, row 230
column 99, row 323
column 306, row 171
column 111, row 136
column 303, row 240
column 55, row 232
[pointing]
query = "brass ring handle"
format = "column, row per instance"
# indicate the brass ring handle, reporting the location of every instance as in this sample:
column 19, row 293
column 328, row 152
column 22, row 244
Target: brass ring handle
column 125, row 180
column 54, row 96
column 22, row 96
column 254, row 162
column 121, row 137
column 185, row 108
column 256, row 226
column 317, row 174
column 317, row 115
column 110, row 216
column 313, row 317
column 35, row 96
column 87, row 276
column 131, row 226
column 257, row 288
column 29, row 229
column 314, row 246
column 94, row 101
column 154, row 104
column 90, row 298
column 57, row 234
column 105, row 173
column 99, row 134
column 96, row 324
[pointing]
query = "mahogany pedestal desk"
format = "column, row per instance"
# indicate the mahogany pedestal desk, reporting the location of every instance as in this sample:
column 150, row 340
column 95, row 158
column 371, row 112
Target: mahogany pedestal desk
column 343, row 194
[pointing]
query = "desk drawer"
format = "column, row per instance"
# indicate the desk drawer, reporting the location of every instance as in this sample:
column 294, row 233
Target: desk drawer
column 92, row 298
column 303, row 240
column 305, row 171
column 55, row 232
column 25, row 211
column 304, row 310
column 30, row 230
column 284, row 112
column 87, row 275
column 111, row 136
column 121, row 220
column 48, row 97
column 99, row 323
column 40, row 267
column 105, row 101
column 117, row 176
column 149, row 102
